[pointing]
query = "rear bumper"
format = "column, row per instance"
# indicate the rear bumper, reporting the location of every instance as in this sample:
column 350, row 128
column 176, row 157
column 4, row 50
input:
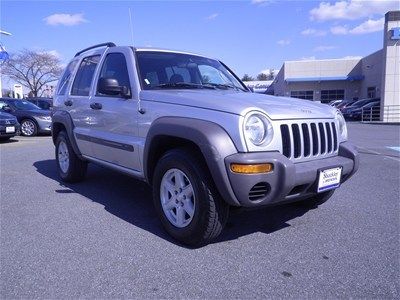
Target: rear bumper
column 288, row 181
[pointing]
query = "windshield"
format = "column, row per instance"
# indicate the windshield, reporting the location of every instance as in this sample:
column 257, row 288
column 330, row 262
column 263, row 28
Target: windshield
column 23, row 105
column 161, row 70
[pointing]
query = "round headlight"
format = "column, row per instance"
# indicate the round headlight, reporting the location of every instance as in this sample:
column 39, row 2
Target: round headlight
column 342, row 125
column 258, row 129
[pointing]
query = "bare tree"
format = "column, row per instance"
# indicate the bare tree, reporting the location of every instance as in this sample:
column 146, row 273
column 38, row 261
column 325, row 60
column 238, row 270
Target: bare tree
column 246, row 77
column 34, row 70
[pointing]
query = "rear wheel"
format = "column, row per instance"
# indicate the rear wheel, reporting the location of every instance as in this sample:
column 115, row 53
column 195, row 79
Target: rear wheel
column 186, row 200
column 28, row 127
column 70, row 167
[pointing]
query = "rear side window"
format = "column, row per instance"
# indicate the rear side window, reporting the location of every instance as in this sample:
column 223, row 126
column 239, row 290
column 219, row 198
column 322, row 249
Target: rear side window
column 84, row 76
column 65, row 80
column 114, row 66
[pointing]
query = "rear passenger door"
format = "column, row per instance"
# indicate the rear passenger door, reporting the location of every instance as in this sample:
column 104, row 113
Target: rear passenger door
column 78, row 103
column 116, row 136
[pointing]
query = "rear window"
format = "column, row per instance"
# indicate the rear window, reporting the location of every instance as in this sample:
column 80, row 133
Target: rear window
column 84, row 76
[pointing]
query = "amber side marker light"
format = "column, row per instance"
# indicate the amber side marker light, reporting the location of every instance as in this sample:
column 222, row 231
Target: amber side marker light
column 251, row 169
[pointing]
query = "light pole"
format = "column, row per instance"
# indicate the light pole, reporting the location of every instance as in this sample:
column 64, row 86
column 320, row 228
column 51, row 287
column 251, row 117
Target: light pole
column 3, row 58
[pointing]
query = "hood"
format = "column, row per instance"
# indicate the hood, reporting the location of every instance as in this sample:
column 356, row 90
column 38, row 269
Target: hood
column 277, row 108
column 6, row 116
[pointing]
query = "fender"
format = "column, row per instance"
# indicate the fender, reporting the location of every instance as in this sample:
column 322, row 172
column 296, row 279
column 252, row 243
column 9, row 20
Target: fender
column 64, row 118
column 213, row 141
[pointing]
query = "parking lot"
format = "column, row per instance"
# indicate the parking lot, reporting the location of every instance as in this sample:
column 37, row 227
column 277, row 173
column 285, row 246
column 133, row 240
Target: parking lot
column 101, row 238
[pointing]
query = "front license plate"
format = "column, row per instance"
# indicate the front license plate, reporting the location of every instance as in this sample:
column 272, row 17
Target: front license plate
column 329, row 179
column 10, row 129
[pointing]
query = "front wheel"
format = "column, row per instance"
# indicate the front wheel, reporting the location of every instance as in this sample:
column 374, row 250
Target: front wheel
column 186, row 200
column 70, row 167
column 28, row 128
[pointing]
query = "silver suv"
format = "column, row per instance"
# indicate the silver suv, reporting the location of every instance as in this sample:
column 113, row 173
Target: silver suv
column 187, row 126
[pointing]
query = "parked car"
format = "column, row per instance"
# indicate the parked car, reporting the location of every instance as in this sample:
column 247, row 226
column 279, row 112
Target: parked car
column 9, row 126
column 33, row 120
column 188, row 126
column 371, row 111
column 358, row 104
column 345, row 103
column 43, row 103
column 335, row 103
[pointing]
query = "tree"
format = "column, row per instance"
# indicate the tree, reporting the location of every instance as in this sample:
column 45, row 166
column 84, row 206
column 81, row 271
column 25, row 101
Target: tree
column 262, row 77
column 247, row 78
column 34, row 70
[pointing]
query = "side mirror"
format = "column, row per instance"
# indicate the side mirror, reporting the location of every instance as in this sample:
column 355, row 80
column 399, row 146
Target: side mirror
column 110, row 86
column 6, row 108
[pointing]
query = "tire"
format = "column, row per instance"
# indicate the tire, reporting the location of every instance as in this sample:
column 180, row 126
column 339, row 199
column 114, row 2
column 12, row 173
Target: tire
column 28, row 127
column 69, row 166
column 317, row 199
column 205, row 212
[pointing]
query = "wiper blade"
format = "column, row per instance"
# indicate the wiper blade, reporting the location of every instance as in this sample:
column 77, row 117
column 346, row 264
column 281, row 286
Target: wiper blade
column 183, row 85
column 225, row 86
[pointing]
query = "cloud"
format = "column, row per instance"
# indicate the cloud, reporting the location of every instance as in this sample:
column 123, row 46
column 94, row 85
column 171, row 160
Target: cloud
column 369, row 26
column 323, row 48
column 262, row 2
column 313, row 32
column 212, row 17
column 65, row 19
column 365, row 27
column 351, row 9
column 283, row 42
column 308, row 58
column 54, row 53
column 339, row 30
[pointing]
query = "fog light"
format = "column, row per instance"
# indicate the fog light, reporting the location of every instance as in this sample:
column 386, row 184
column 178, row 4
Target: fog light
column 251, row 169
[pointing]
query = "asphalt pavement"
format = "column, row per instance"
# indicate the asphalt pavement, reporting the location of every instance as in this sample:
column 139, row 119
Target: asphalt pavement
column 101, row 238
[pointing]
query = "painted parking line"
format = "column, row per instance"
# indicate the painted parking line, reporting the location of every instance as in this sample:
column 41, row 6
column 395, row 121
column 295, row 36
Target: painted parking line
column 366, row 150
column 394, row 148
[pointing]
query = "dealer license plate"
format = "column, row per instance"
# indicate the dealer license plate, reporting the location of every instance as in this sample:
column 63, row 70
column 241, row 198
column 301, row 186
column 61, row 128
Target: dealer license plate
column 329, row 179
column 10, row 129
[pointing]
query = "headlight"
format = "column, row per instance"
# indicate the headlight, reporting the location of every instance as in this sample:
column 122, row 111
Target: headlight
column 258, row 129
column 342, row 126
column 45, row 118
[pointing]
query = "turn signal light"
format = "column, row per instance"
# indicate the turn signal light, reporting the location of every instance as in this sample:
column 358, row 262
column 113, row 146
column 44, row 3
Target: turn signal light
column 251, row 169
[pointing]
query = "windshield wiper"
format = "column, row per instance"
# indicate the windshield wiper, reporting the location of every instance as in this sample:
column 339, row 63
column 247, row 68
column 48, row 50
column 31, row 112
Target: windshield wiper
column 183, row 85
column 224, row 86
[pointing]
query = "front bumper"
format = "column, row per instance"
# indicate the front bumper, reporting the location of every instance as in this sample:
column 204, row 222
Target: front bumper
column 4, row 133
column 44, row 126
column 288, row 181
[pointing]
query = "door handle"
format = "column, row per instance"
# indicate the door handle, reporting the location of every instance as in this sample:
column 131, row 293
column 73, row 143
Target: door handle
column 68, row 103
column 96, row 105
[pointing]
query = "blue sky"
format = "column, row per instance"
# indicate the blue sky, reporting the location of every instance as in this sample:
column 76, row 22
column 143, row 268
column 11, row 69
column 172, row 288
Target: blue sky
column 249, row 36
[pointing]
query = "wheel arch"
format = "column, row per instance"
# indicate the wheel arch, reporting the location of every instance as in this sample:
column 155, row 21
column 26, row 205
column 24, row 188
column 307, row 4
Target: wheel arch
column 206, row 138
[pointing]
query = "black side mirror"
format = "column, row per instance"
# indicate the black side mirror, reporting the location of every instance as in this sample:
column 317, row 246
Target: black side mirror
column 6, row 108
column 110, row 86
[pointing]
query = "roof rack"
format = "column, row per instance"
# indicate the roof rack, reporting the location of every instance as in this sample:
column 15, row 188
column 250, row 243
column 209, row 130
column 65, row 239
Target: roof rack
column 109, row 44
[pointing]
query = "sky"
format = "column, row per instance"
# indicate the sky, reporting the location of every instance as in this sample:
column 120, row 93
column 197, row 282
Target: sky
column 249, row 36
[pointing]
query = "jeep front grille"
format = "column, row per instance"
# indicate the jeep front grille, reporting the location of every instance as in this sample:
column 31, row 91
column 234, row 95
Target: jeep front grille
column 309, row 140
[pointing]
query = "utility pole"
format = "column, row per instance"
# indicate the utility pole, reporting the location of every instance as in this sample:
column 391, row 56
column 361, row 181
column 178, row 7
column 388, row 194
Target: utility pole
column 3, row 57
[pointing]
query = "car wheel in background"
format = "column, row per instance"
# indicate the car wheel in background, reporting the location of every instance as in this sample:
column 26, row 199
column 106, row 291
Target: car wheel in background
column 70, row 167
column 28, row 127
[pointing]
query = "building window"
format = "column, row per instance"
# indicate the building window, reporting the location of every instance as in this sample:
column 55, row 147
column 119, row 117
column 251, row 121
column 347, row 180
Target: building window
column 371, row 92
column 307, row 95
column 331, row 95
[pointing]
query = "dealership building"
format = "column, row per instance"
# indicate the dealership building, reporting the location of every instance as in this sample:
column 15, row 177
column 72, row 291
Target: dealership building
column 374, row 76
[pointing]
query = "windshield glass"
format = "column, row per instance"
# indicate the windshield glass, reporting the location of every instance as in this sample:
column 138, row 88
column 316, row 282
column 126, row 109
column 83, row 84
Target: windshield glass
column 159, row 70
column 23, row 105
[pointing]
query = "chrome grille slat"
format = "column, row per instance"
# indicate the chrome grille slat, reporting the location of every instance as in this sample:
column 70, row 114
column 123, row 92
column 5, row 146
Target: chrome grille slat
column 304, row 140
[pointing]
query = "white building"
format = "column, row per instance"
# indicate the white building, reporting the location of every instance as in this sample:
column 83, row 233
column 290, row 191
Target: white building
column 374, row 76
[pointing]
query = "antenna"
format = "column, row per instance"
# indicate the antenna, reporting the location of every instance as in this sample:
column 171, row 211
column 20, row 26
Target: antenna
column 131, row 25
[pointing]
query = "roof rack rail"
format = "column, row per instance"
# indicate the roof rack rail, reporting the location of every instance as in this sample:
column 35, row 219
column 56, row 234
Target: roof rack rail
column 109, row 44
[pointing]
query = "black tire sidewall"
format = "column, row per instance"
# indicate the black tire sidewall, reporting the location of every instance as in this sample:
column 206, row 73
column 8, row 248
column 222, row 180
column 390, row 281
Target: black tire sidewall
column 197, row 178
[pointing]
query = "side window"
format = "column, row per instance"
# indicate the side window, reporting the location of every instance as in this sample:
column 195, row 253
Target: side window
column 62, row 87
column 84, row 76
column 114, row 66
